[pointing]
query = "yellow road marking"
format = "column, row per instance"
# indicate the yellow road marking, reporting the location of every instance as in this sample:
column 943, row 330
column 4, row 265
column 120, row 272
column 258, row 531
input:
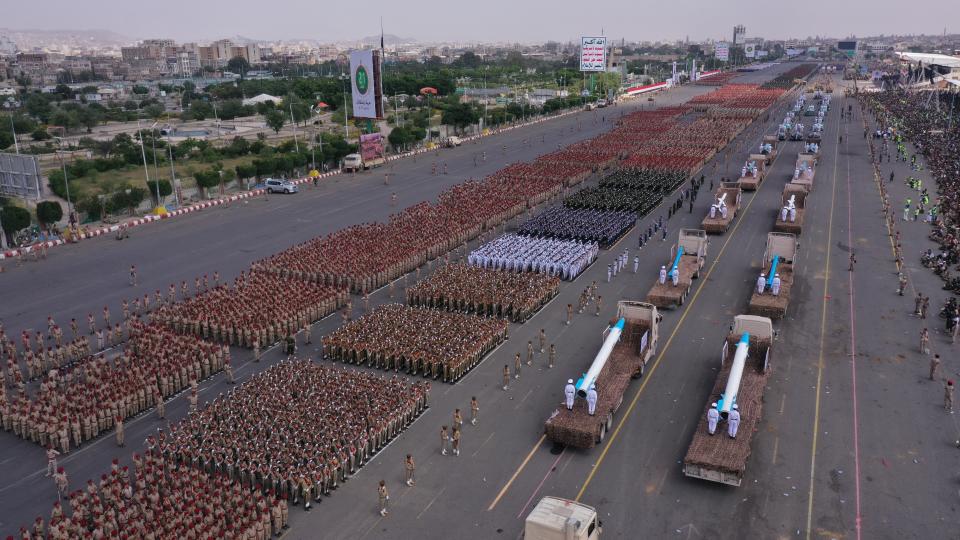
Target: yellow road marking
column 663, row 352
column 516, row 473
column 823, row 332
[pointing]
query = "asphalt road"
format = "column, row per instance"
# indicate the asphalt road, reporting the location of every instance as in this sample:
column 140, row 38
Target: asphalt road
column 875, row 468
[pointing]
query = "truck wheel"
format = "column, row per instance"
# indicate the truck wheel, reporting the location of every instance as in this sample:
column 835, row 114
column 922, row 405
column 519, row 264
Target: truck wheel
column 603, row 433
column 609, row 422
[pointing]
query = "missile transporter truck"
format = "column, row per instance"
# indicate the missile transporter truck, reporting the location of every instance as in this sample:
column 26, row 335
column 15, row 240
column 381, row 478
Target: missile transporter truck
column 790, row 214
column 726, row 202
column 628, row 344
column 771, row 295
column 744, row 369
column 675, row 279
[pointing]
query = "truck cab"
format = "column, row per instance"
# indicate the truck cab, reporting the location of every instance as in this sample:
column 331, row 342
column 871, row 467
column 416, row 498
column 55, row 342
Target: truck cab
column 561, row 519
column 352, row 163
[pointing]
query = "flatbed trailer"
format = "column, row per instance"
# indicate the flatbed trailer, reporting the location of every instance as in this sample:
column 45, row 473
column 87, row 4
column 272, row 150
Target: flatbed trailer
column 805, row 170
column 692, row 249
column 719, row 458
column 794, row 219
column 751, row 181
column 718, row 223
column 627, row 360
column 783, row 248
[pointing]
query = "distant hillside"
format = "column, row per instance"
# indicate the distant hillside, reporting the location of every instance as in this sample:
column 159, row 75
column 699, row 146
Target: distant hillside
column 27, row 38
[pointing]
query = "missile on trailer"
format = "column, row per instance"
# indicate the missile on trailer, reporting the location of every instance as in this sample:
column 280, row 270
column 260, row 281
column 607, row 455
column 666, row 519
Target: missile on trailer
column 676, row 261
column 729, row 396
column 601, row 359
column 790, row 203
column 721, row 200
column 773, row 270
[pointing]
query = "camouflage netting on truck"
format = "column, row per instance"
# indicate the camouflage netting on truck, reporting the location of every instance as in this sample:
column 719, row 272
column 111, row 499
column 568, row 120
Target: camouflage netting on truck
column 719, row 452
column 577, row 428
column 768, row 305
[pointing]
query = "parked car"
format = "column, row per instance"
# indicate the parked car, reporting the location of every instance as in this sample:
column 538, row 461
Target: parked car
column 274, row 185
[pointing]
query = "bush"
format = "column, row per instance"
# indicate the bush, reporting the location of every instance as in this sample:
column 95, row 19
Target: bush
column 40, row 134
column 49, row 212
column 14, row 219
column 165, row 189
column 91, row 207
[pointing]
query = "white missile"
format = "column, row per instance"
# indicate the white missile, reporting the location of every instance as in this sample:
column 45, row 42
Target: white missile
column 721, row 200
column 790, row 203
column 729, row 396
column 601, row 359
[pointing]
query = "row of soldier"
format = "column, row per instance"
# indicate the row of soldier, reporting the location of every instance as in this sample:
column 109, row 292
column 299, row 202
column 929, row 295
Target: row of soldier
column 298, row 429
column 459, row 287
column 433, row 343
column 160, row 500
column 258, row 310
column 78, row 403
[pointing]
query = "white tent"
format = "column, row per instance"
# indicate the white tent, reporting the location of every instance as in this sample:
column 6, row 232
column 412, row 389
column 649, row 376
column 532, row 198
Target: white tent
column 262, row 98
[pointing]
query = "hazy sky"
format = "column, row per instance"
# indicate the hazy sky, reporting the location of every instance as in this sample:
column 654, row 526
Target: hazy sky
column 490, row 20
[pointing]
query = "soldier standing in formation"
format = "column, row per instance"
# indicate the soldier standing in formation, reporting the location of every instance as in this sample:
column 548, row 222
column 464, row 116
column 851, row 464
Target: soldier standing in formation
column 934, row 366
column 530, row 353
column 474, row 410
column 506, row 376
column 948, row 396
column 383, row 496
column 410, row 467
column 444, row 438
column 551, row 359
column 516, row 368
column 543, row 340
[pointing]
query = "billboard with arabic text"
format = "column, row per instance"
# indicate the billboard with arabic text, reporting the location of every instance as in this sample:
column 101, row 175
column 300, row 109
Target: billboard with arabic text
column 593, row 53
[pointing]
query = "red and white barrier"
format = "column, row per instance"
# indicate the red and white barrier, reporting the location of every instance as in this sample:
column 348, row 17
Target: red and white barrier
column 637, row 90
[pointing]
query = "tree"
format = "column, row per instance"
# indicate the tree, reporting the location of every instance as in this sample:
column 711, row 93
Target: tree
column 275, row 119
column 460, row 115
column 399, row 137
column 238, row 64
column 6, row 139
column 49, row 212
column 141, row 90
column 14, row 219
column 154, row 111
column 245, row 171
column 23, row 124
column 470, row 60
column 40, row 134
column 208, row 178
column 165, row 189
column 38, row 107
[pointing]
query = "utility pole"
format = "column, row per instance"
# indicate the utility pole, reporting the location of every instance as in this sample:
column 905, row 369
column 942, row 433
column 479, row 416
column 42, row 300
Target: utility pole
column 292, row 121
column 346, row 128
column 16, row 144
column 173, row 177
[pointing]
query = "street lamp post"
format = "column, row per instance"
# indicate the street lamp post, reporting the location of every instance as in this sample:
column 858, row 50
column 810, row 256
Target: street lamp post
column 346, row 128
column 66, row 182
column 143, row 153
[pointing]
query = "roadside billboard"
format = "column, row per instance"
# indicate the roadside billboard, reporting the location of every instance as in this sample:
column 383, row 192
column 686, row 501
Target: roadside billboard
column 722, row 51
column 750, row 50
column 20, row 176
column 593, row 53
column 371, row 146
column 363, row 84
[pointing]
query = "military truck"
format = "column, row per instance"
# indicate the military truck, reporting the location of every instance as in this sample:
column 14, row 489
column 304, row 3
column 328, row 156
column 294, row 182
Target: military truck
column 744, row 369
column 629, row 341
column 687, row 257
column 778, row 260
